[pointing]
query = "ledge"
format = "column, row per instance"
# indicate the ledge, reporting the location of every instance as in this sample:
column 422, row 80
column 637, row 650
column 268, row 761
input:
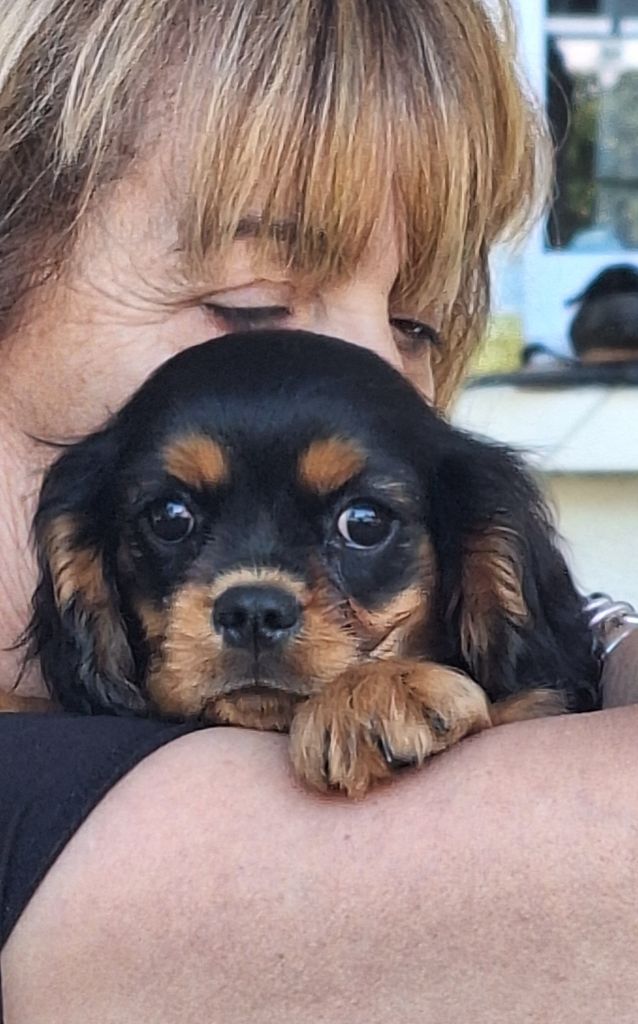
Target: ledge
column 578, row 430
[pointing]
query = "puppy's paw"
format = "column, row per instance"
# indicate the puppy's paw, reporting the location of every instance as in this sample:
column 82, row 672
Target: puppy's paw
column 380, row 715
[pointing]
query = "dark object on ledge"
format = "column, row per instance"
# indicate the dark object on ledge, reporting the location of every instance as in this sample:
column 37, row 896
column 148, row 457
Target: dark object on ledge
column 607, row 318
column 604, row 336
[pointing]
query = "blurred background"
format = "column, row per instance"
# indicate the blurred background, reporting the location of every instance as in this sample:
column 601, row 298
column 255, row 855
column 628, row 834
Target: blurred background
column 558, row 374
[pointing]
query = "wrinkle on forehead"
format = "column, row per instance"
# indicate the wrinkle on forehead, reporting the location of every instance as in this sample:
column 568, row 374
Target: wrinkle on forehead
column 134, row 240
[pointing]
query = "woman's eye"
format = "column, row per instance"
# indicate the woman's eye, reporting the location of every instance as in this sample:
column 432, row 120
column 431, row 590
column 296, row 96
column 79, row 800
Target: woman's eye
column 365, row 525
column 247, row 317
column 415, row 335
column 171, row 521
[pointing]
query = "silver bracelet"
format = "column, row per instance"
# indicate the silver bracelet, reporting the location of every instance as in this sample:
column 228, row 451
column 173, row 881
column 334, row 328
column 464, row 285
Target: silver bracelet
column 610, row 621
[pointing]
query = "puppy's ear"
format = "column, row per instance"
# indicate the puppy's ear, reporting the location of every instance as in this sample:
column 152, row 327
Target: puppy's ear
column 488, row 600
column 508, row 607
column 77, row 632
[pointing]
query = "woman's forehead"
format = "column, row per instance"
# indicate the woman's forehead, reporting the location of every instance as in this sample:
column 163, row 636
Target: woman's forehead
column 320, row 235
column 248, row 255
column 144, row 214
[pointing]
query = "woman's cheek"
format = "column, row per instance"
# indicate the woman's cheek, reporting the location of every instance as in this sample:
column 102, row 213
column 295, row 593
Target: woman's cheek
column 88, row 370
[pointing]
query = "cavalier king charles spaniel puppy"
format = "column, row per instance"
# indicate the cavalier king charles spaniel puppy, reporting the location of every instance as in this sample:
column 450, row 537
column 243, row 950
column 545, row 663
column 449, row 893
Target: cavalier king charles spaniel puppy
column 278, row 532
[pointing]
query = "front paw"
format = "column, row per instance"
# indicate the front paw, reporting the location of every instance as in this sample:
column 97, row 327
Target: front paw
column 380, row 714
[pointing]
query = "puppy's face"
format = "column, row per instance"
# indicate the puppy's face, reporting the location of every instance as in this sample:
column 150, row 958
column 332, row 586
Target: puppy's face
column 237, row 537
column 260, row 564
column 272, row 508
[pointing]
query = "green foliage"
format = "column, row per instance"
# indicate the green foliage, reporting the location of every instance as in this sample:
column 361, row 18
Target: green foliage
column 597, row 166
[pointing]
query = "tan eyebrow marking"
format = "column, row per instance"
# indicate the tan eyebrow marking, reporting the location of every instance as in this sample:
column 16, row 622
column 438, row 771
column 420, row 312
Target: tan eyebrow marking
column 328, row 464
column 197, row 460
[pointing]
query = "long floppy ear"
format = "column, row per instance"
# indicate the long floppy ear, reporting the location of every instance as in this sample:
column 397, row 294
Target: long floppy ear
column 508, row 607
column 77, row 632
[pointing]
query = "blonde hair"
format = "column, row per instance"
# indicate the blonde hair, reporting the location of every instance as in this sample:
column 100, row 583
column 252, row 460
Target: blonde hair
column 326, row 109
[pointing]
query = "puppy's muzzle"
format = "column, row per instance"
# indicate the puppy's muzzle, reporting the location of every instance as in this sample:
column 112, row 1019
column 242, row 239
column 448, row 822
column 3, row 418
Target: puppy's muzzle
column 256, row 617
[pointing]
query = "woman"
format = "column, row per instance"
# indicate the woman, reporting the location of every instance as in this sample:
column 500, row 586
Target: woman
column 171, row 171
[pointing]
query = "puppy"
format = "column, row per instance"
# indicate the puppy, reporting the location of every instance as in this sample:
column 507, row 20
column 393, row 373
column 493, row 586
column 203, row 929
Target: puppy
column 278, row 532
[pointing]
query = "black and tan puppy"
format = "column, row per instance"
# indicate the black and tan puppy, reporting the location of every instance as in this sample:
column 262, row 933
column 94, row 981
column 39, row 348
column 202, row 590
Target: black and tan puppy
column 278, row 532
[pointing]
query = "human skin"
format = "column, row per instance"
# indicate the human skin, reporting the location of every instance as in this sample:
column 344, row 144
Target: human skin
column 496, row 886
column 206, row 885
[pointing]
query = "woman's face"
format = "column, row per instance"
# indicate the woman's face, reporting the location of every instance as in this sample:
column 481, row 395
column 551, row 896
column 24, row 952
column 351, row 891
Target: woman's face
column 88, row 340
column 123, row 309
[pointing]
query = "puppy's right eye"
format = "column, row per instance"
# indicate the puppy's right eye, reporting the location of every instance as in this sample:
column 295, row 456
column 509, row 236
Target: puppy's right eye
column 365, row 525
column 171, row 520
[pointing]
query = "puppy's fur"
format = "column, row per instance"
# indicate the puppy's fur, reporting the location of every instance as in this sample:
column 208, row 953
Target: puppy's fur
column 277, row 532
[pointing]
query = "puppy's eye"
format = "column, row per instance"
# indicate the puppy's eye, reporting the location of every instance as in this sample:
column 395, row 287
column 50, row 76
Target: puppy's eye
column 171, row 521
column 365, row 525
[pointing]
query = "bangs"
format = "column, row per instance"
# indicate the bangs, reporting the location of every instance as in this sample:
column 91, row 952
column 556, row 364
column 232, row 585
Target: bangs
column 351, row 108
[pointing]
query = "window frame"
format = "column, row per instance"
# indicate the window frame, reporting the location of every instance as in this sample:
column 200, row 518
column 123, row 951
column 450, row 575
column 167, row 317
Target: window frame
column 549, row 277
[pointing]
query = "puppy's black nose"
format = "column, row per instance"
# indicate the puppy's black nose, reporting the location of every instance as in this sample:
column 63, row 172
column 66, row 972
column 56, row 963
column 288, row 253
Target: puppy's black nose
column 252, row 616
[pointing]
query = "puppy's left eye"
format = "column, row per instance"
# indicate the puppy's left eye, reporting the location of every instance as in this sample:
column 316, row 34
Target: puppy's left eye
column 365, row 525
column 171, row 521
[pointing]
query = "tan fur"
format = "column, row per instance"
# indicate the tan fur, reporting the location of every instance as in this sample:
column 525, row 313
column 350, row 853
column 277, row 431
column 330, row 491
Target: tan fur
column 398, row 628
column 192, row 672
column 325, row 645
column 182, row 671
column 154, row 621
column 11, row 703
column 491, row 582
column 383, row 629
column 410, row 709
column 268, row 712
column 264, row 576
column 327, row 465
column 197, row 460
column 75, row 570
column 78, row 575
column 539, row 703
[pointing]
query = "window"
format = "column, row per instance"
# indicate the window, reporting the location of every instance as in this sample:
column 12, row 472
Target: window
column 592, row 100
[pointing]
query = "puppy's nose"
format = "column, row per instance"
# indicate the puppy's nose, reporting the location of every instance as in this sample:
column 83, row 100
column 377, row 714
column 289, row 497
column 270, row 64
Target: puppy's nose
column 252, row 616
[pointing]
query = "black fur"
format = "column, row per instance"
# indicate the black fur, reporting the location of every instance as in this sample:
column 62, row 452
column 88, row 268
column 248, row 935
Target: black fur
column 266, row 395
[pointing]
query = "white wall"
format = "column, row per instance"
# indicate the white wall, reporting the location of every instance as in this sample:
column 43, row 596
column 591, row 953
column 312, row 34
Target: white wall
column 583, row 442
column 598, row 514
